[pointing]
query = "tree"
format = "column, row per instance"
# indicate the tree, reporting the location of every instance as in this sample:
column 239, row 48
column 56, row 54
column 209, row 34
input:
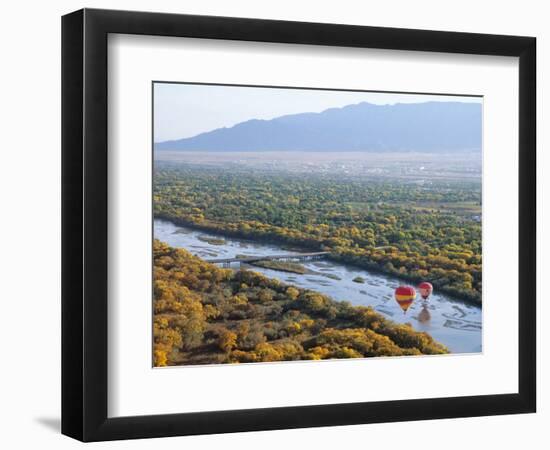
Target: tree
column 292, row 293
column 227, row 340
column 160, row 358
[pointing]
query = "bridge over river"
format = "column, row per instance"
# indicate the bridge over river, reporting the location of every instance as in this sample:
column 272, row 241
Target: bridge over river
column 285, row 257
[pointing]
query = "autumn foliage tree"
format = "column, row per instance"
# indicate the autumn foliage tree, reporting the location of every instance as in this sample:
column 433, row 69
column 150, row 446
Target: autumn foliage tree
column 204, row 314
column 416, row 232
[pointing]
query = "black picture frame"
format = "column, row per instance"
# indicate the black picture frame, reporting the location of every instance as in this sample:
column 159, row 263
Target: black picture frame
column 84, row 224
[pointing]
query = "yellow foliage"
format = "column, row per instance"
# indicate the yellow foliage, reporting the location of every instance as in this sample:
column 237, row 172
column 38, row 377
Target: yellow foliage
column 292, row 293
column 204, row 314
column 227, row 340
column 160, row 358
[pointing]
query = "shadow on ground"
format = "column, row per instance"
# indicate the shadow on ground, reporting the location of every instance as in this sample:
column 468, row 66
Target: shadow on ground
column 53, row 423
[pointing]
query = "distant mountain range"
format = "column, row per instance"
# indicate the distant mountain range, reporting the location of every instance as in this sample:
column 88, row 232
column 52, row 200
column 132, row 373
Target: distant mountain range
column 422, row 127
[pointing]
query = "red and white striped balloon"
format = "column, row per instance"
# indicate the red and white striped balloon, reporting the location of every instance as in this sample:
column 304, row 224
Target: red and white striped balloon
column 425, row 289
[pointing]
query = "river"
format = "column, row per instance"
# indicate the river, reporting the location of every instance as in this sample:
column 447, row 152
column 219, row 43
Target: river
column 454, row 323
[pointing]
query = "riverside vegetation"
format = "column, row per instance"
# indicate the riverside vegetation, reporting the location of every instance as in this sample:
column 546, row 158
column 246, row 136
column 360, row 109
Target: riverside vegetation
column 204, row 314
column 415, row 231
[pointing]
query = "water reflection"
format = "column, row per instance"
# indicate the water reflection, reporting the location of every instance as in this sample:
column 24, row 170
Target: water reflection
column 424, row 316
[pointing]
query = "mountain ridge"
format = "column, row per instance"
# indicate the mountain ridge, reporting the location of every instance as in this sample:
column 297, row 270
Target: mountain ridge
column 429, row 126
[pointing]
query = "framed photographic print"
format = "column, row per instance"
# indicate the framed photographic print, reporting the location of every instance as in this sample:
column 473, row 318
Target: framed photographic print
column 273, row 224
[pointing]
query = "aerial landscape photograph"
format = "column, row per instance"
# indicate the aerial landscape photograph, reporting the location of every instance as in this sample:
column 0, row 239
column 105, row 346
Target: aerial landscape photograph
column 296, row 224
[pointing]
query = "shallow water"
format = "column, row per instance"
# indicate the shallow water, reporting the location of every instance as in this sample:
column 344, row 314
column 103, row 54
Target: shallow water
column 450, row 321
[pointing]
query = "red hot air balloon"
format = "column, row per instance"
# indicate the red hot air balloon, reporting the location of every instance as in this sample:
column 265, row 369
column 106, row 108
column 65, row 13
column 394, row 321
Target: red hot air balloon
column 405, row 295
column 425, row 289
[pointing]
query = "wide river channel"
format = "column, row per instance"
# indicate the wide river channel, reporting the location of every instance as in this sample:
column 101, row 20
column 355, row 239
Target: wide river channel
column 450, row 321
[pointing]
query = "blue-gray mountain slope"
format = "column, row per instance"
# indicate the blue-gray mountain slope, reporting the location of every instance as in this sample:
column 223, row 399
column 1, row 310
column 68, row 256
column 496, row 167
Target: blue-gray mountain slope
column 423, row 127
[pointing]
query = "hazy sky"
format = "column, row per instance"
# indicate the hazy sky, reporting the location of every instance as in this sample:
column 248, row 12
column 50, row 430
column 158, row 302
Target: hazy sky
column 185, row 110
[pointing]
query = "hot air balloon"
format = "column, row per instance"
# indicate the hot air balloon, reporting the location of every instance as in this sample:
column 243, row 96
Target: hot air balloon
column 405, row 295
column 425, row 289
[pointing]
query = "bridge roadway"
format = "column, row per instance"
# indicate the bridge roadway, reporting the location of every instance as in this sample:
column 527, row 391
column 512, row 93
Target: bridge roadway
column 285, row 257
